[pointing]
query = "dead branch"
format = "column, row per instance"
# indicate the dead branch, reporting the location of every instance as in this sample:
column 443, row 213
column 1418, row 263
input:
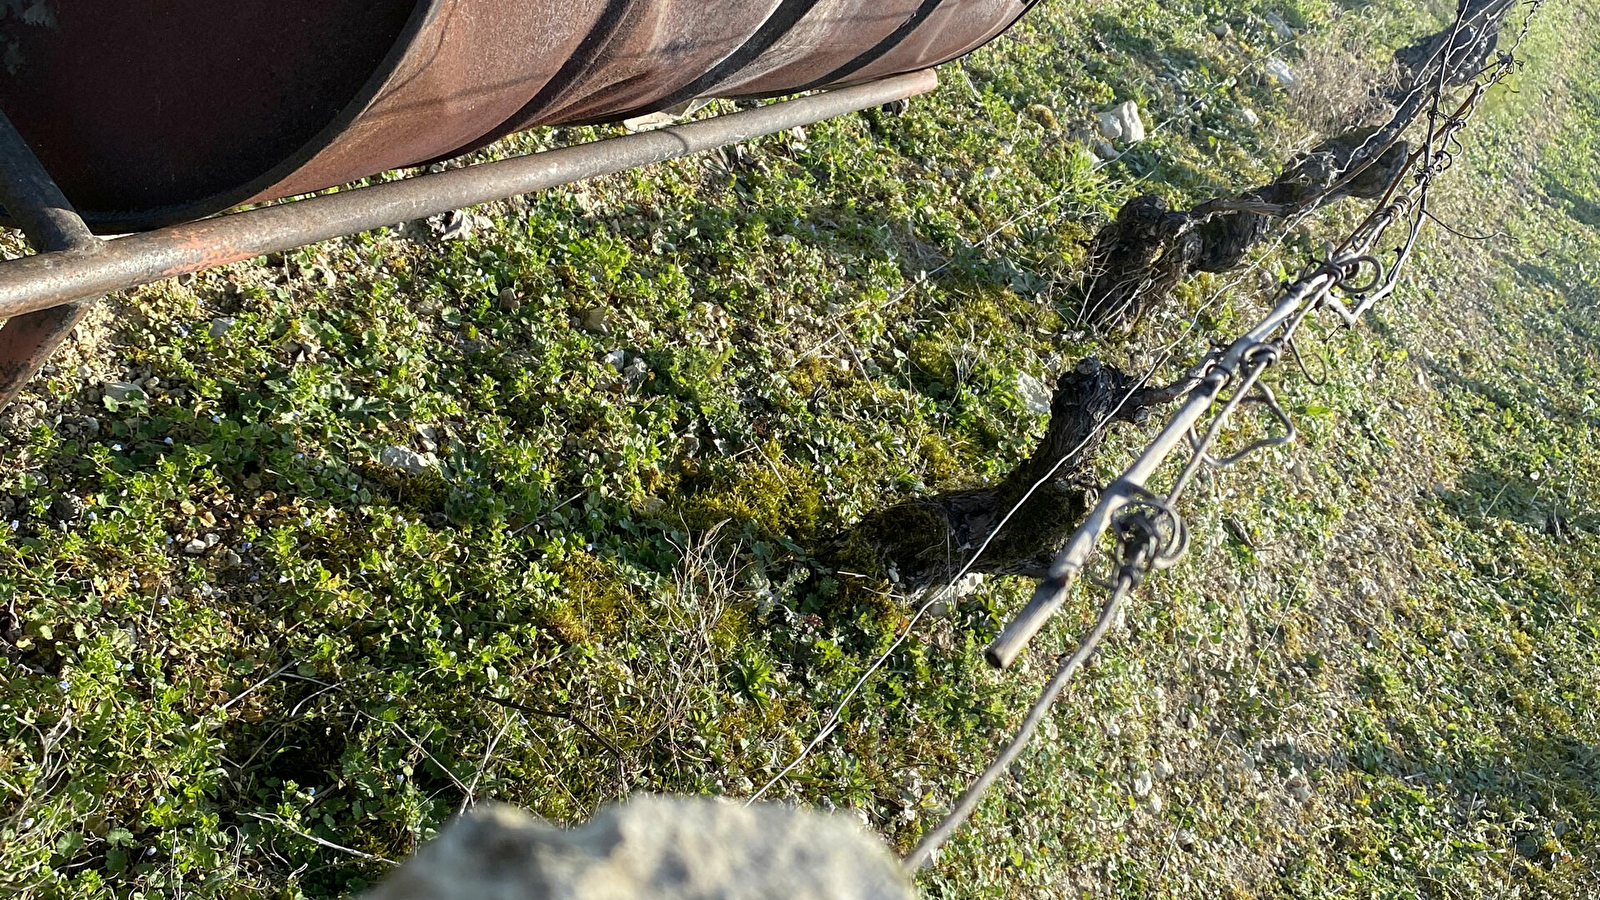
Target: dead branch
column 926, row 541
column 1136, row 260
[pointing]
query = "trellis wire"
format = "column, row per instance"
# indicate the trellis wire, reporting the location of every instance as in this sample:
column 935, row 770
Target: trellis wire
column 1136, row 514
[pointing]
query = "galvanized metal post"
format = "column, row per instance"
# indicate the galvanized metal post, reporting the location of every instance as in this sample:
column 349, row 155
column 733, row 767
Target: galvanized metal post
column 38, row 207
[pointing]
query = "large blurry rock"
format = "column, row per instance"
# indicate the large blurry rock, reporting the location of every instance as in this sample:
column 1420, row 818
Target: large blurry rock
column 652, row 847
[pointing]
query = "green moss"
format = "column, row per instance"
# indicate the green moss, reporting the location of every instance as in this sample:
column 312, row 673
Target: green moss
column 943, row 465
column 812, row 374
column 593, row 595
column 768, row 494
column 424, row 492
column 938, row 358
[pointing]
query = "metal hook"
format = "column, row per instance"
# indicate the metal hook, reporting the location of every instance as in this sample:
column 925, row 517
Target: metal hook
column 1262, row 354
column 1136, row 521
column 1270, row 401
column 1301, row 363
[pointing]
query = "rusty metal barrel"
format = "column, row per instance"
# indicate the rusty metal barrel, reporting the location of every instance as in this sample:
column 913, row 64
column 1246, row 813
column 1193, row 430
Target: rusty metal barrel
column 149, row 114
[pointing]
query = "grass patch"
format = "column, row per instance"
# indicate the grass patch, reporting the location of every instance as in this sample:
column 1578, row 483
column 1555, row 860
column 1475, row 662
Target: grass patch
column 642, row 400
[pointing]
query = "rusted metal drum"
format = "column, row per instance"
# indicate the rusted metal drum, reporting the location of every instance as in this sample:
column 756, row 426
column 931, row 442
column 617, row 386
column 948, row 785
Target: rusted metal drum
column 154, row 113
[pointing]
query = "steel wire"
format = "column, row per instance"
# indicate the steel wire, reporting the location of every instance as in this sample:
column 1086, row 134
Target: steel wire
column 1132, row 511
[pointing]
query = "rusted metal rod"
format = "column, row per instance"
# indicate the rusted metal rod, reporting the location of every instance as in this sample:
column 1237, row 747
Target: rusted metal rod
column 38, row 207
column 52, row 279
column 32, row 199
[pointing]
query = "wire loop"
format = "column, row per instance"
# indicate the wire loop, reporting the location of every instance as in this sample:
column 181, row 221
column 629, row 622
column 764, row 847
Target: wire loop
column 1263, row 395
column 1300, row 362
column 1348, row 269
column 1152, row 534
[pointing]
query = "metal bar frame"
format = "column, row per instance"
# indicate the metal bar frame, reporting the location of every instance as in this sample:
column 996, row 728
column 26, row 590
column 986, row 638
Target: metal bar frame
column 51, row 225
column 45, row 295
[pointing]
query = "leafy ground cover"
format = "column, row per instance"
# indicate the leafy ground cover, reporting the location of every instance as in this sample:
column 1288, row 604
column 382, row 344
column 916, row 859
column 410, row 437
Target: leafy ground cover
column 301, row 556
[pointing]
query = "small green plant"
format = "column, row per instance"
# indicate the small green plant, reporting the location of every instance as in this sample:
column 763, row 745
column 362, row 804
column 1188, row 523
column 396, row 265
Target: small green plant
column 392, row 525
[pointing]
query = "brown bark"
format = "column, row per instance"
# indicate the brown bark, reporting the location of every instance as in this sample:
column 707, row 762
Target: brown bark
column 1136, row 261
column 1469, row 48
column 927, row 541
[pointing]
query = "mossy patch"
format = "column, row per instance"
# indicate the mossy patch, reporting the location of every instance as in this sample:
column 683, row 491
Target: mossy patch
column 768, row 494
column 592, row 596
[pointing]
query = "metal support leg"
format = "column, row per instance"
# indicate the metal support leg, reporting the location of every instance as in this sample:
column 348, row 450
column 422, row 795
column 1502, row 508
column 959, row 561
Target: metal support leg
column 33, row 201
column 27, row 342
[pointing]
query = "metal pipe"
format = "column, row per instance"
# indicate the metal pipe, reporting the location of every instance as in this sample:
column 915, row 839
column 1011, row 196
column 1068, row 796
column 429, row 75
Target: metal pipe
column 1069, row 564
column 33, row 201
column 51, row 279
column 38, row 207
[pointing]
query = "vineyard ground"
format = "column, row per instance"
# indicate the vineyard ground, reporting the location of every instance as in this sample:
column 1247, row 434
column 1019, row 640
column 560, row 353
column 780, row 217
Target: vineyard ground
column 240, row 631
